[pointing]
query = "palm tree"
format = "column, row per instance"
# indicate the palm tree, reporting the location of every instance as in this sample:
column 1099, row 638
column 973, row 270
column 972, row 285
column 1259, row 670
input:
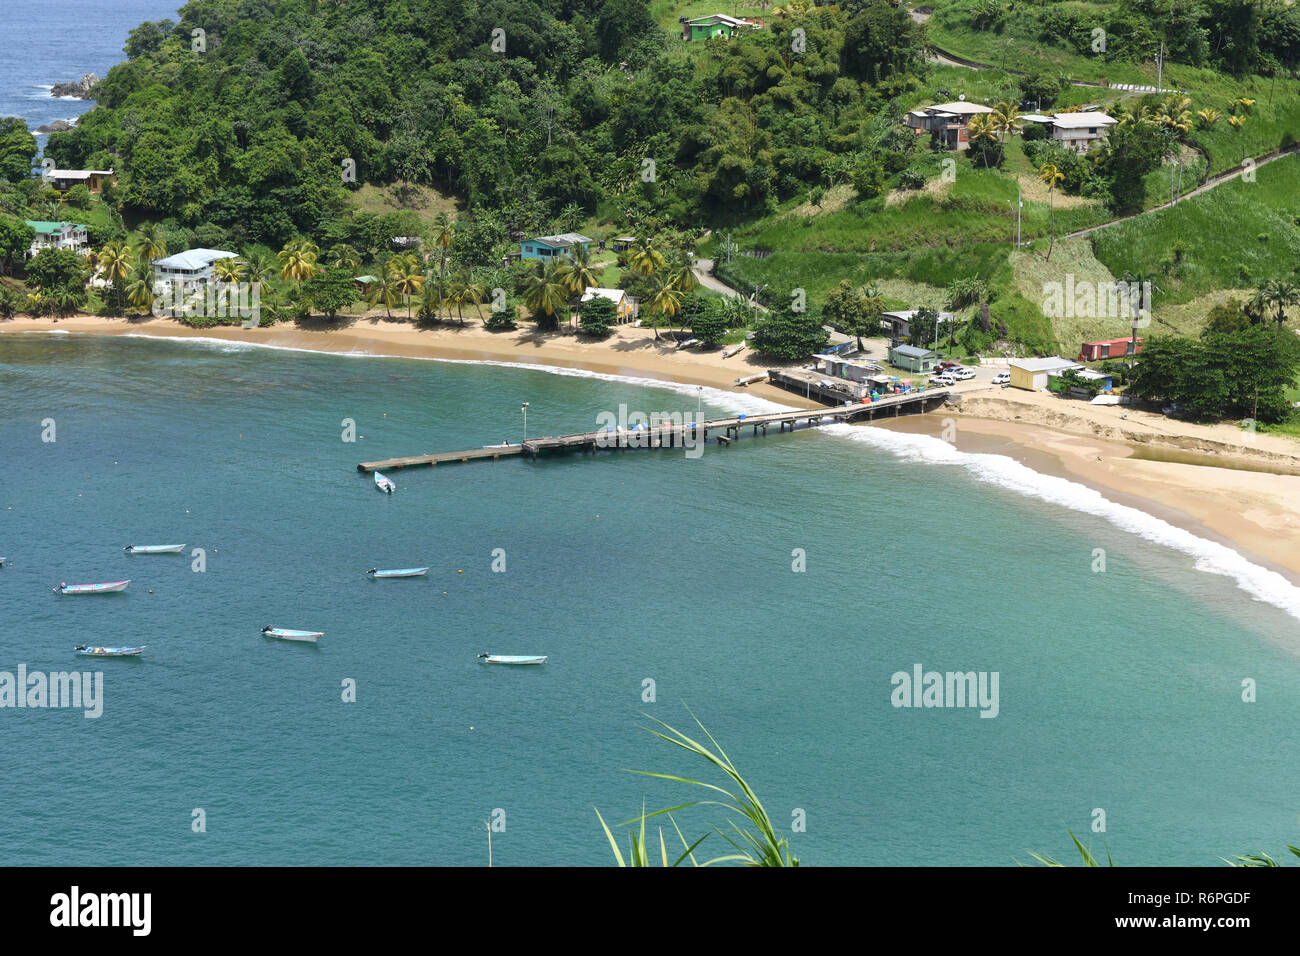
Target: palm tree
column 1006, row 119
column 475, row 292
column 665, row 300
column 1051, row 175
column 1237, row 122
column 443, row 235
column 644, row 258
column 298, row 260
column 981, row 126
column 407, row 278
column 258, row 266
column 343, row 256
column 151, row 243
column 383, row 289
column 114, row 265
column 1278, row 294
column 139, row 292
column 230, row 269
column 580, row 276
column 546, row 290
column 1208, row 117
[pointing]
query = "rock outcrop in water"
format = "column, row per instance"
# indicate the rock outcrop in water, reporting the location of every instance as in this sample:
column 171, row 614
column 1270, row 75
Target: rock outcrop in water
column 58, row 126
column 81, row 89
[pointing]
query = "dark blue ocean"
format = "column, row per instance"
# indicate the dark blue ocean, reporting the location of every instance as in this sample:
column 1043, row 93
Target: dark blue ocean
column 43, row 42
column 1119, row 691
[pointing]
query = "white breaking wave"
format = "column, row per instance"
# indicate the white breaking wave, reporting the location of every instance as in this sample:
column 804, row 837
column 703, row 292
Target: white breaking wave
column 1210, row 556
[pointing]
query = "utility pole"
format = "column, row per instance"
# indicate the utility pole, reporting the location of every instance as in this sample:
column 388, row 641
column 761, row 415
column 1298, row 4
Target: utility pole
column 1160, row 66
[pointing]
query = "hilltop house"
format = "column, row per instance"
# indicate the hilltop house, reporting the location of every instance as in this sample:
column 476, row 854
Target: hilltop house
column 58, row 235
column 946, row 122
column 897, row 324
column 92, row 179
column 626, row 306
column 715, row 25
column 546, row 248
column 1076, row 131
column 1108, row 348
column 191, row 270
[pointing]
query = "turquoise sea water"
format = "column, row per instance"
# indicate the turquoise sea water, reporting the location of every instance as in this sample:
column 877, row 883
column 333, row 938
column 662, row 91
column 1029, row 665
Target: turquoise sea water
column 1118, row 690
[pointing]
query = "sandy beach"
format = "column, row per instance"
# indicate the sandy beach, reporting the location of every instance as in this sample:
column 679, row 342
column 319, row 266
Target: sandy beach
column 1220, row 481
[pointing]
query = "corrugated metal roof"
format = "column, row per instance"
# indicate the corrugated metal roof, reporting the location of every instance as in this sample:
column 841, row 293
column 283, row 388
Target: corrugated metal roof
column 194, row 259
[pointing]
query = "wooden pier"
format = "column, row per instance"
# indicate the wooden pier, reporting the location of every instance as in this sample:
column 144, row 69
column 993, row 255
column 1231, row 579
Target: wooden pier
column 674, row 435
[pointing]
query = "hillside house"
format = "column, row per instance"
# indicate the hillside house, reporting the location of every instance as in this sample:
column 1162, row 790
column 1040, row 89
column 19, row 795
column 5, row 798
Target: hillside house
column 946, row 122
column 1076, row 131
column 715, row 25
column 58, row 235
column 1108, row 349
column 92, row 179
column 191, row 270
column 546, row 248
column 898, row 324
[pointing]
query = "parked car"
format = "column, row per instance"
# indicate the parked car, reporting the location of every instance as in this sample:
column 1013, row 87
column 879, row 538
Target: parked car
column 962, row 374
column 1002, row 378
column 943, row 380
column 947, row 366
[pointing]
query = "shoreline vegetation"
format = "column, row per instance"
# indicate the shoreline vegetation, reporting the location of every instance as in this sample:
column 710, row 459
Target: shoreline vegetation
column 1219, row 482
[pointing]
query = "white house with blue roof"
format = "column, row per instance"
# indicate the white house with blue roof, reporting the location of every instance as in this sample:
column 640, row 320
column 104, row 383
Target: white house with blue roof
column 190, row 269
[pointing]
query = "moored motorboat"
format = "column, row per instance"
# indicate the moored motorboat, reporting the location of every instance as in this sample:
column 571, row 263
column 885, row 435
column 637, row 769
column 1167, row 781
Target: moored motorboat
column 510, row 659
column 154, row 548
column 286, row 634
column 108, row 587
column 734, row 350
column 398, row 573
column 85, row 651
column 384, row 484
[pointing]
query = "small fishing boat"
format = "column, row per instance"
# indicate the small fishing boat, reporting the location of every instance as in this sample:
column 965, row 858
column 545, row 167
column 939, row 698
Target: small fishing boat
column 106, row 588
column 504, row 444
column 154, row 548
column 398, row 573
column 687, row 343
column 85, row 651
column 734, row 350
column 751, row 379
column 384, row 484
column 285, row 634
column 510, row 659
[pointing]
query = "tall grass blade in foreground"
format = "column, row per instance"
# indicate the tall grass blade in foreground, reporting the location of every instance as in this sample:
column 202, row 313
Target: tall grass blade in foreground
column 759, row 846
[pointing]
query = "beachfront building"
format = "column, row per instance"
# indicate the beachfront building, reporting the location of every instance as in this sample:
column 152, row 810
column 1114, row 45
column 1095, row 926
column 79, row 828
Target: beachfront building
column 546, row 248
column 92, row 179
column 58, row 235
column 191, row 270
column 853, row 370
column 897, row 325
column 626, row 306
column 715, row 25
column 946, row 122
column 911, row 358
column 1031, row 373
column 1109, row 349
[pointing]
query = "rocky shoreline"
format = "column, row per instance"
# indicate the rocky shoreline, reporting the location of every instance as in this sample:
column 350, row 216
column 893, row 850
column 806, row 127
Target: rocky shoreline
column 82, row 89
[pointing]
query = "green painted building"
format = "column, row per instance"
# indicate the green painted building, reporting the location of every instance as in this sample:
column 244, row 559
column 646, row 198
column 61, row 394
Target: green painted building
column 714, row 25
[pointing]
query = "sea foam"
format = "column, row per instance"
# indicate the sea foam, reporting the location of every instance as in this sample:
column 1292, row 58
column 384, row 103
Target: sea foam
column 1208, row 556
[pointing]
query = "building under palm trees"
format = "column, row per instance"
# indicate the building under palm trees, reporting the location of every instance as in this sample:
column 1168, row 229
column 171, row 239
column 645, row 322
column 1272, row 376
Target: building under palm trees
column 946, row 122
column 626, row 306
column 1076, row 131
column 191, row 269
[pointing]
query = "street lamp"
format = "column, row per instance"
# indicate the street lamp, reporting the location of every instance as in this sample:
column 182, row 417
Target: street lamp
column 524, row 409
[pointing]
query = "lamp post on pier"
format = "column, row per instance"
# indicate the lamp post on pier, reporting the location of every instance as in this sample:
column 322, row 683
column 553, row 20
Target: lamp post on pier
column 524, row 409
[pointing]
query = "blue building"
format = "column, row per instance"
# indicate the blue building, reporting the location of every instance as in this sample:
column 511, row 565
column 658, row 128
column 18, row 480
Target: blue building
column 546, row 248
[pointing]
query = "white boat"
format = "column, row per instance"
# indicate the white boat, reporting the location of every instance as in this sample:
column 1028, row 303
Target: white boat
column 285, row 634
column 687, row 343
column 106, row 588
column 751, row 379
column 504, row 444
column 384, row 484
column 734, row 350
column 398, row 573
column 154, row 548
column 510, row 659
column 85, row 651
